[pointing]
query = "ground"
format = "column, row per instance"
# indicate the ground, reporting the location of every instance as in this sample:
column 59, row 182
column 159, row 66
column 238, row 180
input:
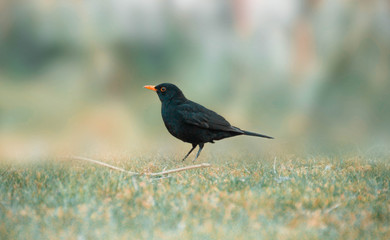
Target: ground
column 239, row 197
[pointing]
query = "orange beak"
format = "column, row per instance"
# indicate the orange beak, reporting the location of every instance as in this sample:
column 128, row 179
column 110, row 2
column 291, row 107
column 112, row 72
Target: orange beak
column 150, row 87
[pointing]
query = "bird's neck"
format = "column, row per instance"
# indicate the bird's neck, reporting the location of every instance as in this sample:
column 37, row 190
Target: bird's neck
column 175, row 101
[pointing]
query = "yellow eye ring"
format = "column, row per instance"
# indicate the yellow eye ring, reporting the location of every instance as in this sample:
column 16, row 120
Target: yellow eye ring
column 163, row 89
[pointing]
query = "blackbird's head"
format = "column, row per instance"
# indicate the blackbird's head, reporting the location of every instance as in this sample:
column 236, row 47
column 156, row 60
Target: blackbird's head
column 166, row 91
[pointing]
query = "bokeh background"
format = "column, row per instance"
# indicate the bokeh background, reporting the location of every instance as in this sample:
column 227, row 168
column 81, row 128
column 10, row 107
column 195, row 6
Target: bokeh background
column 314, row 74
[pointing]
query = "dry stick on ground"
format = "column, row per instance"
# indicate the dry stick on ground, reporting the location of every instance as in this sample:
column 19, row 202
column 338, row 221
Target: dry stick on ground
column 202, row 165
column 332, row 208
column 103, row 164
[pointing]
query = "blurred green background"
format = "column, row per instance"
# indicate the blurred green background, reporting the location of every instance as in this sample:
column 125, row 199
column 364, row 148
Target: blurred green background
column 313, row 74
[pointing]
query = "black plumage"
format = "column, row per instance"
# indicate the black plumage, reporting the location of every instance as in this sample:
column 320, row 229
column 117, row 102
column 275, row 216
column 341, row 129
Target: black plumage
column 190, row 121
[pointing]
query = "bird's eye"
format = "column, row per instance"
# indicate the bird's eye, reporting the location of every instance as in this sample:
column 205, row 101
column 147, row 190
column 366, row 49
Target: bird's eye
column 163, row 89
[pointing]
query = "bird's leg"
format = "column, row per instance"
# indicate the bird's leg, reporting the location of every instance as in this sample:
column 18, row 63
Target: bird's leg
column 192, row 149
column 200, row 149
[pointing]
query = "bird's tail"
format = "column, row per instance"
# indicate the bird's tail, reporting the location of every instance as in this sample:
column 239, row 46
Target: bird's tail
column 256, row 134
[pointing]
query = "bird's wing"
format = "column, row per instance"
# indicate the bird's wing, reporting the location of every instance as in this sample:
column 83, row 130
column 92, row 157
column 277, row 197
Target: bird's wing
column 195, row 114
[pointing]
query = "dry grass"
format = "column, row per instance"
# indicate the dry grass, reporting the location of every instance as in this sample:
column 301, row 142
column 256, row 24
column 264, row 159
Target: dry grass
column 241, row 197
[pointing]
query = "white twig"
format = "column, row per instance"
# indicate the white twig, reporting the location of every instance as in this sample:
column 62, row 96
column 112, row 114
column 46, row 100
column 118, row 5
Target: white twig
column 202, row 165
column 332, row 208
column 134, row 183
column 103, row 164
column 275, row 165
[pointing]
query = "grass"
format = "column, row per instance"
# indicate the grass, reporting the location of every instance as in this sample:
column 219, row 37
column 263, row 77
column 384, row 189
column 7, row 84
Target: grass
column 240, row 197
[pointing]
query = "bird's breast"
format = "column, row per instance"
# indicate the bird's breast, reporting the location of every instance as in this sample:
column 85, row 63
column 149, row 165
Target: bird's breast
column 171, row 120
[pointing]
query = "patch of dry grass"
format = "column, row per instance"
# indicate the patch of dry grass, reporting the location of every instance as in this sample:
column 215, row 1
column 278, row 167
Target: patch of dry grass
column 241, row 197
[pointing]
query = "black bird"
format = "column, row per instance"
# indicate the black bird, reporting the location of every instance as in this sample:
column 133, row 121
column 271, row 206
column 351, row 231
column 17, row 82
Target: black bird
column 190, row 121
